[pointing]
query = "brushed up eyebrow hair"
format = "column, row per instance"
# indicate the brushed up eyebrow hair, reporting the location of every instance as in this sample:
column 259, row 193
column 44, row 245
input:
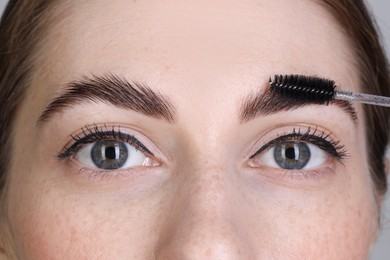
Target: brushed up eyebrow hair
column 113, row 90
column 268, row 102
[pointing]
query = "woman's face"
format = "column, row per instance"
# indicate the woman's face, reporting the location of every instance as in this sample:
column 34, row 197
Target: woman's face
column 161, row 150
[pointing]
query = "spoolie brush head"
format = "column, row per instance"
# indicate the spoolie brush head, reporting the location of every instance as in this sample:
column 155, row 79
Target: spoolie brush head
column 303, row 88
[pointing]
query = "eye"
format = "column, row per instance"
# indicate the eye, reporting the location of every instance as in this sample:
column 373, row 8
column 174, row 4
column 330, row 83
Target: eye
column 111, row 155
column 299, row 150
column 293, row 155
column 108, row 148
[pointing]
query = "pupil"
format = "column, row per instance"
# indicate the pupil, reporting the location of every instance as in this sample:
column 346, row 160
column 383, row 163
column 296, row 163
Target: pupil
column 110, row 153
column 290, row 153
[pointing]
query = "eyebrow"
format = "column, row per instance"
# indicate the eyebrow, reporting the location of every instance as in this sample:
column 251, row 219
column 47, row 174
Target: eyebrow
column 267, row 103
column 114, row 90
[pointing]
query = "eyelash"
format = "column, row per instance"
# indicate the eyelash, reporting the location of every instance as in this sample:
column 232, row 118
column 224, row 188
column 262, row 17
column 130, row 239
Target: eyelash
column 94, row 133
column 312, row 135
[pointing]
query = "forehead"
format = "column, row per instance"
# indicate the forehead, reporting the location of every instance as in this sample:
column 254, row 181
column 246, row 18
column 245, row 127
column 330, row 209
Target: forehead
column 189, row 36
column 270, row 32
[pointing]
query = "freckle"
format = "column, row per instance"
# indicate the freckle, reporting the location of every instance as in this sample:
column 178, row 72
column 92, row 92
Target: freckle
column 359, row 214
column 216, row 177
column 198, row 189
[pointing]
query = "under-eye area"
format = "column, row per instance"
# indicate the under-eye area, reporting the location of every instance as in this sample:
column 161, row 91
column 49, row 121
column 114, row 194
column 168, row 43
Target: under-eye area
column 299, row 150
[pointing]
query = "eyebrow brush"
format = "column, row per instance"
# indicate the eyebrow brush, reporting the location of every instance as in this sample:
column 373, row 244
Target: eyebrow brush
column 319, row 90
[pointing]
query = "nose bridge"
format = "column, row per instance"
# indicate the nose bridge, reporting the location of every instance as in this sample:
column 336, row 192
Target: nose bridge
column 204, row 223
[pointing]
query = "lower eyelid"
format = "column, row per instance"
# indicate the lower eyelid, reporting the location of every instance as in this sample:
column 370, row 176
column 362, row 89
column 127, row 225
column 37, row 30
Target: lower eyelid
column 298, row 179
column 310, row 174
column 84, row 175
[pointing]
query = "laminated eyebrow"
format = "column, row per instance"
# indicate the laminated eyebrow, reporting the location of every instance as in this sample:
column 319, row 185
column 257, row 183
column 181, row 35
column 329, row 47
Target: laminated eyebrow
column 267, row 102
column 113, row 90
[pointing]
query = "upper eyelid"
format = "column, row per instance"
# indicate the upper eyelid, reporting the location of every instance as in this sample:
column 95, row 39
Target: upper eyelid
column 288, row 137
column 272, row 142
column 311, row 135
column 116, row 135
column 98, row 134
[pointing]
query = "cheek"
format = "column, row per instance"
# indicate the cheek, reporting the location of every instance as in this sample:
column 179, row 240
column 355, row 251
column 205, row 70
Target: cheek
column 334, row 229
column 345, row 227
column 335, row 225
column 49, row 221
column 69, row 228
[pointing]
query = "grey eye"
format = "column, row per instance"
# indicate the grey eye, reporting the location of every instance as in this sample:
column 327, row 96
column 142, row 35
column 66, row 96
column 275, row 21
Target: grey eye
column 292, row 155
column 111, row 155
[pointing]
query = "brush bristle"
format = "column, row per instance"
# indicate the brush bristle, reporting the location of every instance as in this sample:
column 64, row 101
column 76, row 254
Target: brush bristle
column 304, row 88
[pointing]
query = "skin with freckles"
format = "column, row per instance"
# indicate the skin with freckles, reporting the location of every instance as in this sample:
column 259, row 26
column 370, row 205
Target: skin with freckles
column 201, row 195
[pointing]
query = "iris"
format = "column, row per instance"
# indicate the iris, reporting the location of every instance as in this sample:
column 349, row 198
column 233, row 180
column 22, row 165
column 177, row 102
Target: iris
column 109, row 154
column 292, row 155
